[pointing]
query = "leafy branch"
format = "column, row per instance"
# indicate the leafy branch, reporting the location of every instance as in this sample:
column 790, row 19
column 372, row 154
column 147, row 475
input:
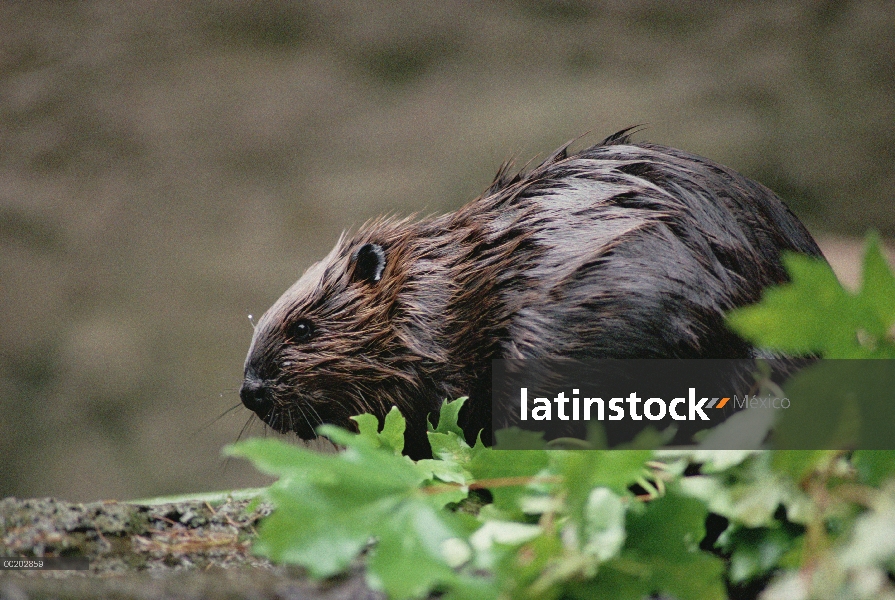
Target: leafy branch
column 577, row 524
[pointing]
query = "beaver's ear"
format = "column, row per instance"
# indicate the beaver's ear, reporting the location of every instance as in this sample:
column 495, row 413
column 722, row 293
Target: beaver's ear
column 369, row 262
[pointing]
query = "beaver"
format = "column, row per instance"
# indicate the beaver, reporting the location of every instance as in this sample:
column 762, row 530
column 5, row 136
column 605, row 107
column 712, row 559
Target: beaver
column 620, row 250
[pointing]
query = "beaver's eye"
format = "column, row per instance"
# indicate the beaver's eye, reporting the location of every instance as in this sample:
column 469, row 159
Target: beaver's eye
column 300, row 331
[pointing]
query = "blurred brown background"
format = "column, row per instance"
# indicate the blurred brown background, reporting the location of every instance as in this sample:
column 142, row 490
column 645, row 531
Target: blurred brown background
column 168, row 167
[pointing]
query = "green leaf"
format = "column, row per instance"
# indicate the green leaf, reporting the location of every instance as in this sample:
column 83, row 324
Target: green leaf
column 661, row 556
column 619, row 579
column 310, row 531
column 878, row 286
column 367, row 427
column 449, row 418
column 409, row 559
column 603, row 525
column 329, row 507
column 506, row 466
column 392, row 435
column 814, row 313
column 874, row 466
column 665, row 538
column 872, row 540
column 750, row 493
column 755, row 552
column 445, row 470
column 493, row 539
column 449, row 447
column 393, row 430
column 273, row 457
column 584, row 470
column 525, row 567
column 448, row 441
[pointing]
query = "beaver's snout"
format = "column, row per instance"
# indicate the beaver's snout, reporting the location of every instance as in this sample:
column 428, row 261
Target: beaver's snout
column 255, row 396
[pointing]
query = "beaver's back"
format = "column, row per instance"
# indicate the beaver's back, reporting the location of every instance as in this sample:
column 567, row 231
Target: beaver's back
column 636, row 250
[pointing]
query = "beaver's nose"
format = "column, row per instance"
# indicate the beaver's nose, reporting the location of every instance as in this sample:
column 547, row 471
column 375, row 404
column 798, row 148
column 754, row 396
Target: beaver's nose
column 255, row 396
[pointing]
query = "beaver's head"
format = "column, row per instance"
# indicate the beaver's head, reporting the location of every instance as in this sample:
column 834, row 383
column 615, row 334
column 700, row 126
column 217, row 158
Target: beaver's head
column 333, row 346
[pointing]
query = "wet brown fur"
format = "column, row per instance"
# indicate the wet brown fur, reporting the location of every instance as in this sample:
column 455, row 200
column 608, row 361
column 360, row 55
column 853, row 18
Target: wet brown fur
column 620, row 250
